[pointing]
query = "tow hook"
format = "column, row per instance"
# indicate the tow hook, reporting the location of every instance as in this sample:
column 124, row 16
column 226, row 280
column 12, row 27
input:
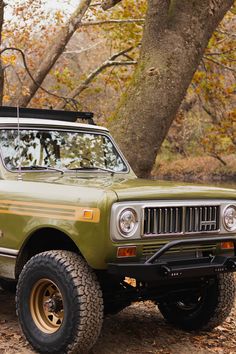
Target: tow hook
column 166, row 270
column 231, row 264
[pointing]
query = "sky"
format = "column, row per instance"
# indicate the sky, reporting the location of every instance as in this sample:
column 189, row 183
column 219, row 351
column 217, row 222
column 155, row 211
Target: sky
column 51, row 5
column 61, row 4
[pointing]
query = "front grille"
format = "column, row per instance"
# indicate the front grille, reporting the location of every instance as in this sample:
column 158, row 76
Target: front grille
column 182, row 219
column 160, row 221
column 200, row 219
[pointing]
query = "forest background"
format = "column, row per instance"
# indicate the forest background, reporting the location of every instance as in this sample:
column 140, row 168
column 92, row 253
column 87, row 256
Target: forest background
column 95, row 64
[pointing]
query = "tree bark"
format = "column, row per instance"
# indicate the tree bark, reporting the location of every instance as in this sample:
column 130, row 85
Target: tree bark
column 1, row 68
column 52, row 53
column 176, row 34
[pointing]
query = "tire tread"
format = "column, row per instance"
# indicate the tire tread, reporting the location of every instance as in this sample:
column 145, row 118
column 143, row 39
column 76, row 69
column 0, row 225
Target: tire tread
column 87, row 300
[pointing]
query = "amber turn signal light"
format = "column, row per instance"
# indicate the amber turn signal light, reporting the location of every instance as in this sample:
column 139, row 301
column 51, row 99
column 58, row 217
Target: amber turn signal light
column 88, row 214
column 227, row 245
column 126, row 251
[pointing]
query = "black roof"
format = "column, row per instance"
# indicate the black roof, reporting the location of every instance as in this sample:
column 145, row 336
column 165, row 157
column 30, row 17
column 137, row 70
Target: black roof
column 68, row 116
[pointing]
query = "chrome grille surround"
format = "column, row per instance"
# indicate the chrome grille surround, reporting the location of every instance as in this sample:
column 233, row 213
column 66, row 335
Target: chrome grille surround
column 175, row 220
column 184, row 229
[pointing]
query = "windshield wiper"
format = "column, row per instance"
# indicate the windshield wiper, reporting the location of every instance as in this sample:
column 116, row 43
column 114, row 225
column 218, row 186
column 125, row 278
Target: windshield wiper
column 39, row 167
column 92, row 168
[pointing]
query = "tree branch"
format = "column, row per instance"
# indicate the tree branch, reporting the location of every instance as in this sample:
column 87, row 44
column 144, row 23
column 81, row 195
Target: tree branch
column 66, row 99
column 107, row 22
column 220, row 64
column 218, row 158
column 221, row 53
column 52, row 53
column 108, row 4
column 107, row 63
column 226, row 33
column 82, row 50
column 95, row 4
column 206, row 109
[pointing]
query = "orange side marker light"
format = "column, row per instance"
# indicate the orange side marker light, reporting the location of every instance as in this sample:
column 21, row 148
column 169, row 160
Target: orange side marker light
column 227, row 245
column 88, row 214
column 126, row 251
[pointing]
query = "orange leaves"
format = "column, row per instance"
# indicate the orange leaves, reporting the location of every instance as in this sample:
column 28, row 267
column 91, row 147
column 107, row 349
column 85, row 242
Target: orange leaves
column 64, row 77
column 220, row 139
column 8, row 59
column 59, row 17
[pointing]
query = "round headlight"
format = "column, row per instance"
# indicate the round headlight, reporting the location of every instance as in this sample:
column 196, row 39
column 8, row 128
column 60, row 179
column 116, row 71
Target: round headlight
column 230, row 218
column 128, row 222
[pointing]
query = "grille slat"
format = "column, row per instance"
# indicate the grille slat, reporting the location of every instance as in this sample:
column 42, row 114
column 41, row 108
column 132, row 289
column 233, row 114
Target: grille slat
column 164, row 220
column 182, row 219
column 149, row 250
column 176, row 219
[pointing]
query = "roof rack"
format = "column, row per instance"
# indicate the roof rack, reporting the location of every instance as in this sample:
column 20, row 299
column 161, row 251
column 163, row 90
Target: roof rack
column 68, row 116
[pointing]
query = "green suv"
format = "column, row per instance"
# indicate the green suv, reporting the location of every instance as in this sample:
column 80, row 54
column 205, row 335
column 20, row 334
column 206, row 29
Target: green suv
column 84, row 237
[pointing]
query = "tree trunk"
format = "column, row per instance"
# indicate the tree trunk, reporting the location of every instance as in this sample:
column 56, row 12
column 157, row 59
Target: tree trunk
column 52, row 53
column 175, row 36
column 1, row 68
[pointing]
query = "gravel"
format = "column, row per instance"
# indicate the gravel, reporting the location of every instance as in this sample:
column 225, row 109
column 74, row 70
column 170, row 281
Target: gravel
column 139, row 329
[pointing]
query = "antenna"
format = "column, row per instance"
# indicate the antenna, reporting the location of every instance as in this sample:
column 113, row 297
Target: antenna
column 19, row 177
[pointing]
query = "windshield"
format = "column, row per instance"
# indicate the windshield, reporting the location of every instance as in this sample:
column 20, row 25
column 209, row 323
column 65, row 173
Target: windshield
column 59, row 149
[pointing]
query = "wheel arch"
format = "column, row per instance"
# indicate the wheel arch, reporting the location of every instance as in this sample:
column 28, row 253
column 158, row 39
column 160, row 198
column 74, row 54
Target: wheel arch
column 44, row 239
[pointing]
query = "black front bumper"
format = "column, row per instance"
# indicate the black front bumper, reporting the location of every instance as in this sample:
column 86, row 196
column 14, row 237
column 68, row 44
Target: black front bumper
column 157, row 269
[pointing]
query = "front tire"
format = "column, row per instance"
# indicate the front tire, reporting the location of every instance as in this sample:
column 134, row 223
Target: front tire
column 203, row 310
column 59, row 303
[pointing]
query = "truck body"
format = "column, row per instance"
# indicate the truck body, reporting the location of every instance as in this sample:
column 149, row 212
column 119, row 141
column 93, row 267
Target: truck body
column 66, row 187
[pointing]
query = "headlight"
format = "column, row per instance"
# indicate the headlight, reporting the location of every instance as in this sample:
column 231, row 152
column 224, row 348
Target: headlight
column 128, row 222
column 229, row 218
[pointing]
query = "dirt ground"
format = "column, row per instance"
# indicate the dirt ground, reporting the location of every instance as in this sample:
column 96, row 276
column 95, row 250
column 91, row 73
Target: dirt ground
column 139, row 329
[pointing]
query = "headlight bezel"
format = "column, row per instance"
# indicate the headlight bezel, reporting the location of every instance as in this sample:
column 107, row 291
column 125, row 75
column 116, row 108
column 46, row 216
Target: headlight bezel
column 122, row 232
column 227, row 228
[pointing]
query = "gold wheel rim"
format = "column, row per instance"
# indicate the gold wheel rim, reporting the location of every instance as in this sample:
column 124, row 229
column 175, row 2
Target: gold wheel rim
column 46, row 306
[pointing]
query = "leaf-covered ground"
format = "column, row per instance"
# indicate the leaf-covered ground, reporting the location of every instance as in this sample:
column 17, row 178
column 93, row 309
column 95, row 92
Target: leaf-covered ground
column 137, row 329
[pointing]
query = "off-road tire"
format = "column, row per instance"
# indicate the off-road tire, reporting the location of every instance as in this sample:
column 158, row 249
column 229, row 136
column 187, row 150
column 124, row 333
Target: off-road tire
column 82, row 299
column 214, row 307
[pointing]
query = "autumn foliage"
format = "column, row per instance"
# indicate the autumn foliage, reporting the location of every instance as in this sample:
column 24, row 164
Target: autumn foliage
column 88, row 72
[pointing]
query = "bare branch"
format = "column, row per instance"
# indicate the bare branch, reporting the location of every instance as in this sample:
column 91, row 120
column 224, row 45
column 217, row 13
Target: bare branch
column 108, row 4
column 112, row 21
column 121, row 62
column 82, row 50
column 127, row 56
column 206, row 109
column 214, row 118
column 218, row 158
column 123, row 52
column 220, row 64
column 107, row 63
column 226, row 33
column 95, row 4
column 221, row 53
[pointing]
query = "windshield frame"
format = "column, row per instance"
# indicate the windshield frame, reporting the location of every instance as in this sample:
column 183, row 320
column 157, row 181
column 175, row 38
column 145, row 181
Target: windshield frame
column 71, row 130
